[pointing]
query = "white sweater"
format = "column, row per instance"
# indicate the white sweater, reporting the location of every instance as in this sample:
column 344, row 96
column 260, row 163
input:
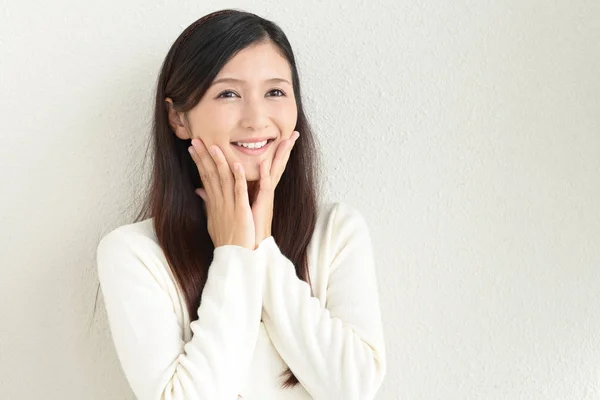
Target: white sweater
column 333, row 342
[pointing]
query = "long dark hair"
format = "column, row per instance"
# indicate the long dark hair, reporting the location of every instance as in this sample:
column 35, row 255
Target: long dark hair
column 179, row 219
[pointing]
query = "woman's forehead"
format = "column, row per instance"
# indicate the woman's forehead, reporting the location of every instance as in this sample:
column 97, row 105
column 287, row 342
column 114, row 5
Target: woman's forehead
column 256, row 64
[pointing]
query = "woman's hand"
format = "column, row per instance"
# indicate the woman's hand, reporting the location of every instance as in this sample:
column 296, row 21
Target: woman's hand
column 225, row 196
column 262, row 208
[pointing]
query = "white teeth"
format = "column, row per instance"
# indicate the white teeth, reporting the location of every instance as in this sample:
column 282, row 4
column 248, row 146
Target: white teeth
column 256, row 145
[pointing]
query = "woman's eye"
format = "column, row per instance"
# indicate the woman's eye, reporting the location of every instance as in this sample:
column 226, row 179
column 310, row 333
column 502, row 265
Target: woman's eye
column 230, row 94
column 222, row 95
column 279, row 91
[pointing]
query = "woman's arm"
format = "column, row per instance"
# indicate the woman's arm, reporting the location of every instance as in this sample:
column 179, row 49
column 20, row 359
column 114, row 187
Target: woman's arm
column 336, row 352
column 157, row 362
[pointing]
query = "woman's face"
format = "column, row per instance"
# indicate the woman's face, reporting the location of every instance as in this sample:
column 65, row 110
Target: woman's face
column 251, row 98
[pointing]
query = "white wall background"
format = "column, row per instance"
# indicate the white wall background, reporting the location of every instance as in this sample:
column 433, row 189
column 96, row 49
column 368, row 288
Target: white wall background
column 467, row 132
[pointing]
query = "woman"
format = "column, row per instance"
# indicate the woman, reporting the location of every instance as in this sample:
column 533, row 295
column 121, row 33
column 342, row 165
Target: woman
column 235, row 281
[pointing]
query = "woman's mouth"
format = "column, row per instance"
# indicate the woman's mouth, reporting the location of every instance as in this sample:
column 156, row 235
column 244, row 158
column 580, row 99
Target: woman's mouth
column 253, row 149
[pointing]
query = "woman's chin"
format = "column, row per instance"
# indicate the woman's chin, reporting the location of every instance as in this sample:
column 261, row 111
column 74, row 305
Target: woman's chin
column 252, row 172
column 251, row 169
column 252, row 178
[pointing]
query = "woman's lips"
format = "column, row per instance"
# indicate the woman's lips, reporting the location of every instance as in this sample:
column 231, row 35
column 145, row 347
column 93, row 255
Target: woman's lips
column 252, row 152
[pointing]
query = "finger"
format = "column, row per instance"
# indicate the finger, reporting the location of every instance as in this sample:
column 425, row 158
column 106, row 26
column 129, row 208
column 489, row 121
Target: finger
column 200, row 168
column 281, row 158
column 208, row 170
column 201, row 193
column 226, row 177
column 266, row 182
column 241, row 187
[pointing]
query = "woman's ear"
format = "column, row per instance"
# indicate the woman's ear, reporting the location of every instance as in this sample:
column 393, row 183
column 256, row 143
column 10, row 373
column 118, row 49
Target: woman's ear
column 175, row 120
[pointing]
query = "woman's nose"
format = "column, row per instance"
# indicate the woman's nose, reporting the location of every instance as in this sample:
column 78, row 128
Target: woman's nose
column 255, row 115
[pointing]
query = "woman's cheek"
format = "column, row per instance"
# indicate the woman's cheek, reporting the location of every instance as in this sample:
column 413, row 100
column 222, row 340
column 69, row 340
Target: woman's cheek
column 289, row 118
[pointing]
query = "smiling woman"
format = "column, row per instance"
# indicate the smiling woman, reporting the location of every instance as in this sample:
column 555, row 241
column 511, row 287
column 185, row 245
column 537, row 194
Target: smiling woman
column 235, row 280
column 251, row 100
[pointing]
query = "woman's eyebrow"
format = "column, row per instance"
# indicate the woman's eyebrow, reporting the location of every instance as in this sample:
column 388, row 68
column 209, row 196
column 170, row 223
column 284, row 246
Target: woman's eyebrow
column 233, row 80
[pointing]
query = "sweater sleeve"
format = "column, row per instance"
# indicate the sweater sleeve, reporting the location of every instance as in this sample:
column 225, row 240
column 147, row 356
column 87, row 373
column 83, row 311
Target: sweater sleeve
column 146, row 333
column 336, row 351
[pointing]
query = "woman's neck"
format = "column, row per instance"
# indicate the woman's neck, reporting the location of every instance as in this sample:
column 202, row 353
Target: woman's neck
column 252, row 190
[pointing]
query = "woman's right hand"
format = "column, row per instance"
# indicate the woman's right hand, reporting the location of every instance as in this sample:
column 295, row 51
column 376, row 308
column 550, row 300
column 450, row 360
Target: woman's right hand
column 225, row 194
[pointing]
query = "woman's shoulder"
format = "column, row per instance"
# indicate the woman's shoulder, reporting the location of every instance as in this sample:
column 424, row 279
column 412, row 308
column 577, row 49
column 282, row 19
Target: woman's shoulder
column 131, row 237
column 339, row 224
column 131, row 252
column 338, row 215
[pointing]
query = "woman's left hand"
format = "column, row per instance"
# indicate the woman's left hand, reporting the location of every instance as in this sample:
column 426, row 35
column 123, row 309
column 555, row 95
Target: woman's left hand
column 262, row 208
